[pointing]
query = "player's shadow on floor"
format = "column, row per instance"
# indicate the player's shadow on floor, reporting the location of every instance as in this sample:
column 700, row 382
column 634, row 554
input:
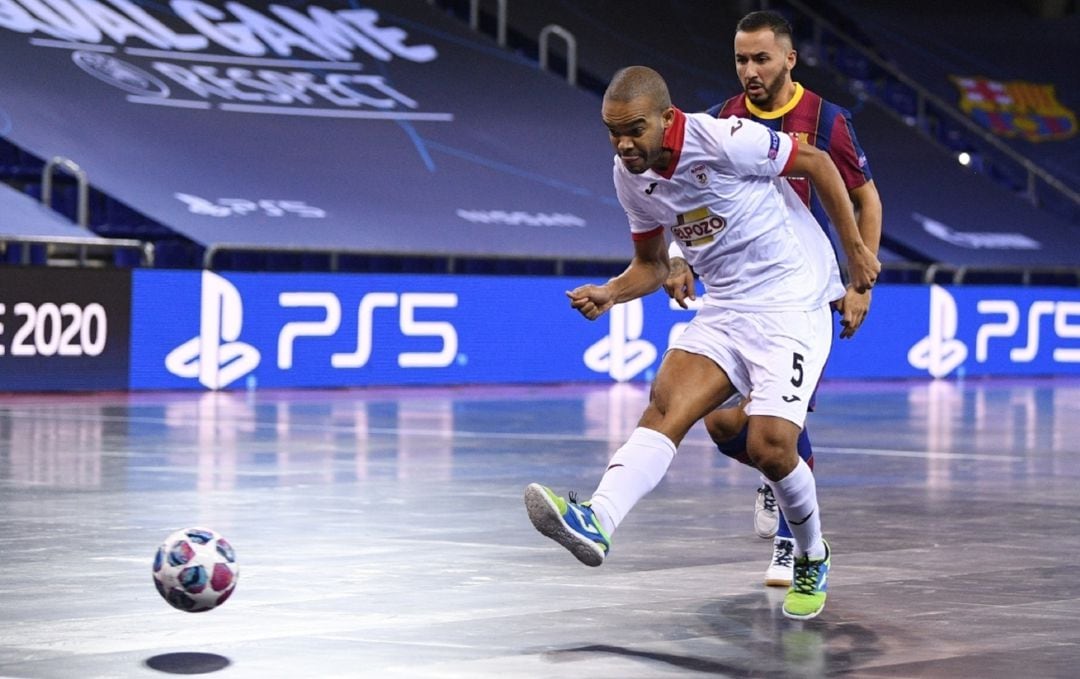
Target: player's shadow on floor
column 767, row 643
column 686, row 662
column 188, row 663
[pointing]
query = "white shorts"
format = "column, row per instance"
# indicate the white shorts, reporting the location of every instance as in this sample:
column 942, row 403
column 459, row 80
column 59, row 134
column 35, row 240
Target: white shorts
column 776, row 357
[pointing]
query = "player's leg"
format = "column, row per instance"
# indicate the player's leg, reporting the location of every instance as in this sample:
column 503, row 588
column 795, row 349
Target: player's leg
column 687, row 386
column 772, row 444
column 785, row 365
column 727, row 429
column 778, row 573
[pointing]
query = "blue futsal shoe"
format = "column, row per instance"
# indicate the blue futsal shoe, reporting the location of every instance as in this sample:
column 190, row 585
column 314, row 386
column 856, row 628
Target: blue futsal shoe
column 571, row 524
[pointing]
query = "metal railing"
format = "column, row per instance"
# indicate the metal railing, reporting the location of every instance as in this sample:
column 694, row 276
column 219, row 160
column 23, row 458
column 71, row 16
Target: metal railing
column 451, row 263
column 72, row 250
column 500, row 19
column 501, row 12
column 962, row 274
column 72, row 168
column 571, row 50
column 82, row 247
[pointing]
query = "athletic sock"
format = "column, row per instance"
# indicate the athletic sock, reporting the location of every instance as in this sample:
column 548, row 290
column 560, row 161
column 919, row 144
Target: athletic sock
column 806, row 452
column 796, row 494
column 633, row 471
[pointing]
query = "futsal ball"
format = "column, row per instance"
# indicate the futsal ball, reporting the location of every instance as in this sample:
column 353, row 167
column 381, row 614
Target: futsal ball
column 195, row 570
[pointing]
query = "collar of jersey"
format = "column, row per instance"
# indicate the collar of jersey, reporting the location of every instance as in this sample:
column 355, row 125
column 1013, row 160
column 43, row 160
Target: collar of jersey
column 673, row 139
column 770, row 115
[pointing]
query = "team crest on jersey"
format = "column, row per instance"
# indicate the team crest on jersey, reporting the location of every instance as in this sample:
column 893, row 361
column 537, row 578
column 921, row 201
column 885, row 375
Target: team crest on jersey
column 698, row 227
column 700, row 173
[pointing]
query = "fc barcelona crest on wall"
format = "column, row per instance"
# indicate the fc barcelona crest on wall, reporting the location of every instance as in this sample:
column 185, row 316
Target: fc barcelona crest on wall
column 1018, row 108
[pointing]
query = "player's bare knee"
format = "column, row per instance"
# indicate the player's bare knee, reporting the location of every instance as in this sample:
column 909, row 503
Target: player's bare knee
column 774, row 455
column 722, row 429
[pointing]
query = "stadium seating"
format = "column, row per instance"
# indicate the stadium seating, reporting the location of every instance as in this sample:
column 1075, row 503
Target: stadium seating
column 1006, row 43
column 455, row 153
column 917, row 175
column 31, row 233
column 440, row 145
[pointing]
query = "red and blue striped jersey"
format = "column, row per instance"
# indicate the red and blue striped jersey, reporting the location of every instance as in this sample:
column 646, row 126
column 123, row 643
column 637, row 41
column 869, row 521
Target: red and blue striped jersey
column 812, row 120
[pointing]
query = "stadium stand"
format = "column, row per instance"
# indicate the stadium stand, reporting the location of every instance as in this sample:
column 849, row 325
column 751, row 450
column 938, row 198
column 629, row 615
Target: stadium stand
column 936, row 211
column 938, row 43
column 990, row 67
column 421, row 145
column 31, row 233
column 381, row 149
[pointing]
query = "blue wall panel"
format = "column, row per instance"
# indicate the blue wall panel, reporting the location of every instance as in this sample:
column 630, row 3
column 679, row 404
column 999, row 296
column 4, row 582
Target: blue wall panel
column 205, row 330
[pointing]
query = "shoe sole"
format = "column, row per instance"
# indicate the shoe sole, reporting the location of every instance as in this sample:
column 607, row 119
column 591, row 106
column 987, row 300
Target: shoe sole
column 777, row 582
column 808, row 616
column 546, row 518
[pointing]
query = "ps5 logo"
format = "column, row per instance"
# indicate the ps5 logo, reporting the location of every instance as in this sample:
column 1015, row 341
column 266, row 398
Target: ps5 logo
column 939, row 352
column 622, row 354
column 215, row 356
column 262, row 207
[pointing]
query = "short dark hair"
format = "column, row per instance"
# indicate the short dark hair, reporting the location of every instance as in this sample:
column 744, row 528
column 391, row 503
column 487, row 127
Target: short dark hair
column 638, row 81
column 774, row 21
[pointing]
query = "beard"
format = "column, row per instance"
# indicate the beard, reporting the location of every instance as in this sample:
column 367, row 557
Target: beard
column 766, row 98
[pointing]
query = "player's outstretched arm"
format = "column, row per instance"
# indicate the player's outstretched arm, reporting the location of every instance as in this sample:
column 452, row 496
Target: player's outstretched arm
column 645, row 274
column 811, row 162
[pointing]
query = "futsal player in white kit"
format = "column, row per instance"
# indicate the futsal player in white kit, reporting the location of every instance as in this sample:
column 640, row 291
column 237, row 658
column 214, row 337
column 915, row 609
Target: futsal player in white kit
column 765, row 328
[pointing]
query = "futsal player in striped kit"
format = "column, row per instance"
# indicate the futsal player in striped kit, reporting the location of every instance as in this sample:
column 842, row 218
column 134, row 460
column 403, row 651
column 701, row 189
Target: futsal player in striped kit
column 764, row 58
column 765, row 327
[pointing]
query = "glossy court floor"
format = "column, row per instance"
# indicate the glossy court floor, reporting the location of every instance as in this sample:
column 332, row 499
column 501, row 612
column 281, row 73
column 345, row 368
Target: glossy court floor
column 381, row 533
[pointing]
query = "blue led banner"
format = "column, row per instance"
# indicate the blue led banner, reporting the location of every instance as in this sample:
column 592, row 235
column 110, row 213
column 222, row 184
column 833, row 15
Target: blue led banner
column 63, row 329
column 916, row 331
column 202, row 330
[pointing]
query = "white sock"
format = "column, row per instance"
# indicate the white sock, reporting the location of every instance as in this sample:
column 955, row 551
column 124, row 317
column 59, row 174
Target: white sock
column 633, row 471
column 796, row 494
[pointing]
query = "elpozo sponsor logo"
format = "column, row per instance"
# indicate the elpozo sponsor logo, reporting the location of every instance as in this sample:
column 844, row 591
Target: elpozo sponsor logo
column 281, row 61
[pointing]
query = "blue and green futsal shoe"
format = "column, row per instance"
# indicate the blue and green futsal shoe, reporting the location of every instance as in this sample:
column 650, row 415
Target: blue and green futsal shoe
column 569, row 523
column 806, row 596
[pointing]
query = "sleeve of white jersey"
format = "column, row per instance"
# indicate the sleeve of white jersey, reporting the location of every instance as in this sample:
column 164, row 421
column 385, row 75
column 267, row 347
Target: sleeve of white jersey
column 750, row 149
column 640, row 221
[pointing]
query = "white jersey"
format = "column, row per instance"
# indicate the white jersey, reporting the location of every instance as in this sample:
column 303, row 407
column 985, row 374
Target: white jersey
column 745, row 232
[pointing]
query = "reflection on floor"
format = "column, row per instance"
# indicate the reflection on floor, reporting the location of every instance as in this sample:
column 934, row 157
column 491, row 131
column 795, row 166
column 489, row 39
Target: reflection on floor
column 381, row 533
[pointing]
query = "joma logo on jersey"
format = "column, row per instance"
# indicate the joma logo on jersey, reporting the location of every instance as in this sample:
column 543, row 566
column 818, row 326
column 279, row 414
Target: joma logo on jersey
column 698, row 227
